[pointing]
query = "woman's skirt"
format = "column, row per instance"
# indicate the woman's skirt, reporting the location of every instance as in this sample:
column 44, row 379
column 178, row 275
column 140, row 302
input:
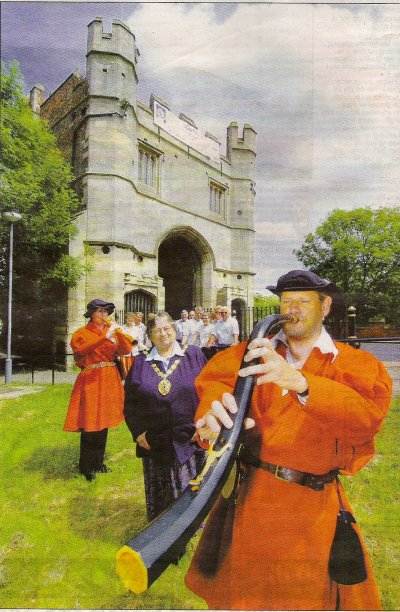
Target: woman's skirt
column 164, row 483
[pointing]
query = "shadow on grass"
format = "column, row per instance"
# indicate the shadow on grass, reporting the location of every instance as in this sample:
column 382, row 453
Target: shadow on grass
column 153, row 601
column 114, row 519
column 59, row 462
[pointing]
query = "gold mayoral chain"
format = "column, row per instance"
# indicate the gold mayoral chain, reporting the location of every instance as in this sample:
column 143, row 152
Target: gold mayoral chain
column 164, row 386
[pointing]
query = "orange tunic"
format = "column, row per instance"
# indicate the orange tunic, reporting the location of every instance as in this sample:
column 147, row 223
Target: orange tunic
column 278, row 559
column 98, row 395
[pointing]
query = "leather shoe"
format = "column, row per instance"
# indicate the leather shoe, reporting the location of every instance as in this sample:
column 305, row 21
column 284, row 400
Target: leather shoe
column 103, row 469
column 89, row 476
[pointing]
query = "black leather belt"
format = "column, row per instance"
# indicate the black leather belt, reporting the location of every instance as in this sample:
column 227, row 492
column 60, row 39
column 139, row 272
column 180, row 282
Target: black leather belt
column 314, row 481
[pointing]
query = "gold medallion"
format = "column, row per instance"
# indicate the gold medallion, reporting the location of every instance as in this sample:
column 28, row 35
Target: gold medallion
column 164, row 386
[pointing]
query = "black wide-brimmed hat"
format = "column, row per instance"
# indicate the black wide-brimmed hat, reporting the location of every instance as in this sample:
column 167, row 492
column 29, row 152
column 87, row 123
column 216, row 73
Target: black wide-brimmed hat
column 302, row 280
column 97, row 303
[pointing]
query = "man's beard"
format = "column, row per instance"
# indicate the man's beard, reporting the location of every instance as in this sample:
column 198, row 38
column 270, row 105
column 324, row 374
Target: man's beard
column 299, row 330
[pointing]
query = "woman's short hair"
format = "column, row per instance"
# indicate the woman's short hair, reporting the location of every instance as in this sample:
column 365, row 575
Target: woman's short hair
column 151, row 323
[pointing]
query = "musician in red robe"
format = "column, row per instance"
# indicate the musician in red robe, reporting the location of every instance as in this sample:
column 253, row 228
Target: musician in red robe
column 316, row 408
column 97, row 397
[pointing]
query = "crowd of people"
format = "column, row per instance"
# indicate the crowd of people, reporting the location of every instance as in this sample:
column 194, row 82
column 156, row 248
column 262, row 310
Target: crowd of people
column 316, row 408
column 205, row 329
column 197, row 327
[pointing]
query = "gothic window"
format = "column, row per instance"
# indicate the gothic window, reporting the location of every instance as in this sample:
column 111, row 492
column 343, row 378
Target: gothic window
column 149, row 166
column 217, row 199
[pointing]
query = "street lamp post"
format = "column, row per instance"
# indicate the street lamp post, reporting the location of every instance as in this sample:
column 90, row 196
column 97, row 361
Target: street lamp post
column 351, row 318
column 12, row 217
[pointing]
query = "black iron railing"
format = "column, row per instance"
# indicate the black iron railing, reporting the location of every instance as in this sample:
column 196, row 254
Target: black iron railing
column 55, row 368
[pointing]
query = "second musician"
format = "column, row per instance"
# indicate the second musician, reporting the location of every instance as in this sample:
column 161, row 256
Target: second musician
column 97, row 397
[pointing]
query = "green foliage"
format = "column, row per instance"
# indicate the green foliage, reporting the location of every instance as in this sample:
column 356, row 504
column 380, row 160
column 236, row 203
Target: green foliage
column 266, row 301
column 67, row 270
column 360, row 251
column 35, row 181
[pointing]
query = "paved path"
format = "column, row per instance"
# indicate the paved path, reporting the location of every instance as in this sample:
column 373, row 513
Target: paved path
column 386, row 351
column 12, row 392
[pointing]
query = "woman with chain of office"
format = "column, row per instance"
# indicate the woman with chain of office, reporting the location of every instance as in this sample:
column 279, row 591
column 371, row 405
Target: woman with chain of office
column 160, row 402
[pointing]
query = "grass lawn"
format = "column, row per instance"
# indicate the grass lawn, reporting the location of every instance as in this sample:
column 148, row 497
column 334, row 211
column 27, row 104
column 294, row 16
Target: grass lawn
column 59, row 533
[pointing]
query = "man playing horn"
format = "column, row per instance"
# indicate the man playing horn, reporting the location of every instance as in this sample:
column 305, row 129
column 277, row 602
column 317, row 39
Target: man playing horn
column 315, row 411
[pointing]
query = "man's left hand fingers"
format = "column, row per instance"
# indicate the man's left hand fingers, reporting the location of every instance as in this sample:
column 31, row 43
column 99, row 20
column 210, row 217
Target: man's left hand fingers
column 258, row 353
column 257, row 342
column 259, row 368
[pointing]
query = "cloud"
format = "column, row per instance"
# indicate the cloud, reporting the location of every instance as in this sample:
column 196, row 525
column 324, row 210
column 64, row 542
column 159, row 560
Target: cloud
column 319, row 82
column 276, row 231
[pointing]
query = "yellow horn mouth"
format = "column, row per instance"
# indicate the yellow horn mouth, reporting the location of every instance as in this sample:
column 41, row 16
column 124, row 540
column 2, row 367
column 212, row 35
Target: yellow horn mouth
column 132, row 570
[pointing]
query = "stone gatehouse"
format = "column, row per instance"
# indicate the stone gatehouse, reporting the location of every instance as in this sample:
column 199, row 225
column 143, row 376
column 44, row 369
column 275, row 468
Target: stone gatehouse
column 166, row 219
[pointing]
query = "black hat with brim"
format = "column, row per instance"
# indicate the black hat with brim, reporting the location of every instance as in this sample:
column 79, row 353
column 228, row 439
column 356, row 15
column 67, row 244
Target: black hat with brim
column 97, row 303
column 302, row 280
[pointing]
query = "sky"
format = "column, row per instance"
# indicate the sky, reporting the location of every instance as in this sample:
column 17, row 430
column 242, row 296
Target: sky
column 320, row 83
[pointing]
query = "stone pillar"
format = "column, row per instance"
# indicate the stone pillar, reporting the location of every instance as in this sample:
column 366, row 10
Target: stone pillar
column 36, row 98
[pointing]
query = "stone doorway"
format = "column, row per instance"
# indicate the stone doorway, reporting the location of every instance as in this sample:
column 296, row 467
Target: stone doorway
column 179, row 265
column 186, row 264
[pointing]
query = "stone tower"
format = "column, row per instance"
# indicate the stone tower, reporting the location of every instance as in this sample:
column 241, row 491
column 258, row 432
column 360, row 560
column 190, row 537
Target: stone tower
column 166, row 219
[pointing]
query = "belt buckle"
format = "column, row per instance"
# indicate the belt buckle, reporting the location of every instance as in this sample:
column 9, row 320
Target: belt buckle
column 276, row 473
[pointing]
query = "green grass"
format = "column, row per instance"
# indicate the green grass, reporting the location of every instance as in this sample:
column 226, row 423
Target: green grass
column 375, row 497
column 59, row 534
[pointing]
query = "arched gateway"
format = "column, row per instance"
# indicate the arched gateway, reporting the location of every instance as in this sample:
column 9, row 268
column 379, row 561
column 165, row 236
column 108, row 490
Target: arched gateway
column 185, row 264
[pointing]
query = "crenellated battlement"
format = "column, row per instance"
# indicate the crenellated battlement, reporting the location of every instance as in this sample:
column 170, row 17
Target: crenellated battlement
column 245, row 142
column 120, row 41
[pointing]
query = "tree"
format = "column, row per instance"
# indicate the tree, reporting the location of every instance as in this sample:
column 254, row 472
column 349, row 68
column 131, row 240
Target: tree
column 360, row 251
column 266, row 301
column 35, row 181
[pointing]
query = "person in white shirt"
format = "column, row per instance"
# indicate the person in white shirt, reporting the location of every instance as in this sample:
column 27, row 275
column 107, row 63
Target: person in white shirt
column 226, row 331
column 194, row 325
column 142, row 326
column 134, row 329
column 181, row 326
column 191, row 336
column 206, row 330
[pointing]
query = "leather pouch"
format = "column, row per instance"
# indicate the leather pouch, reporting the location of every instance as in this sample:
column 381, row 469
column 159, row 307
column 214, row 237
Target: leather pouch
column 346, row 561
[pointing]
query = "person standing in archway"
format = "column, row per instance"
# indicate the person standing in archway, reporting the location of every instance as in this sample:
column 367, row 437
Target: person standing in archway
column 181, row 326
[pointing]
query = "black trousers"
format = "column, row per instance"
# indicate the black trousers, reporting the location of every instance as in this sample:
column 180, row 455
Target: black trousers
column 92, row 449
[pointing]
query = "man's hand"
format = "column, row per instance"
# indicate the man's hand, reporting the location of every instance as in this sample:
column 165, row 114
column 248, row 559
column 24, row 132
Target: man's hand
column 273, row 368
column 209, row 425
column 142, row 441
column 112, row 328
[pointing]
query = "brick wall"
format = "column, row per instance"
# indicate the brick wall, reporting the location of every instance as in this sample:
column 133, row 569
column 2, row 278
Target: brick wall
column 64, row 111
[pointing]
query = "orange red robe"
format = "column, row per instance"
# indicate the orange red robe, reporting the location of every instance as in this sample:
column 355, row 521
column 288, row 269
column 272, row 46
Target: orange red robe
column 278, row 559
column 98, row 396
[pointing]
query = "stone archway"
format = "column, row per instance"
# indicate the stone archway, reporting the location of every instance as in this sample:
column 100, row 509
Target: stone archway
column 185, row 265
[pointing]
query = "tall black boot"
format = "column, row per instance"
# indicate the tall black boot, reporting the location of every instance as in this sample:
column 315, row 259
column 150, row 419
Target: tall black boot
column 92, row 449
